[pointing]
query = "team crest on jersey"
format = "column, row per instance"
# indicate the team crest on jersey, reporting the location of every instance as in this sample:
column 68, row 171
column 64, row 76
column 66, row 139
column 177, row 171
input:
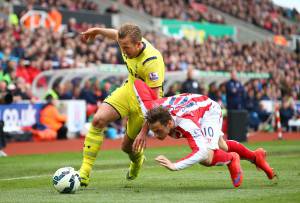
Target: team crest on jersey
column 153, row 76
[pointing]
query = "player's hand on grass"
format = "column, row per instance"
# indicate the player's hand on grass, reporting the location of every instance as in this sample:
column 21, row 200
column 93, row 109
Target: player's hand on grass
column 164, row 161
column 89, row 35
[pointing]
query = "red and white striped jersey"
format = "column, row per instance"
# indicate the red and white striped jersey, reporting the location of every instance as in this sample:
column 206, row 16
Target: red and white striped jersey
column 186, row 105
column 187, row 110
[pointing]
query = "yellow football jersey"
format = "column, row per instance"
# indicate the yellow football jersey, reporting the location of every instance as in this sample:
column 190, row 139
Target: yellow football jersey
column 147, row 66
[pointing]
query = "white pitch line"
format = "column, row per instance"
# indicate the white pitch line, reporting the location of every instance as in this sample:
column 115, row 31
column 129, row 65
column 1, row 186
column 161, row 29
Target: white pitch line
column 49, row 175
column 23, row 177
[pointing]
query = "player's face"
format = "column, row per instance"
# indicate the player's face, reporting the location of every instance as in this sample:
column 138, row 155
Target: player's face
column 129, row 48
column 160, row 131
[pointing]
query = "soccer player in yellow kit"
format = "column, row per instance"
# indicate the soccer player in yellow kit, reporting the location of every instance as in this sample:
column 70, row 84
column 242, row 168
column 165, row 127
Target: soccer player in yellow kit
column 143, row 61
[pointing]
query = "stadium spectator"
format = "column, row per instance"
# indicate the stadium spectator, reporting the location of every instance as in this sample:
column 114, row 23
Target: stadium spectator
column 54, row 92
column 113, row 9
column 66, row 90
column 87, row 93
column 222, row 94
column 7, row 14
column 22, row 91
column 173, row 89
column 213, row 92
column 56, row 16
column 286, row 112
column 72, row 27
column 50, row 117
column 105, row 91
column 235, row 93
column 252, row 106
column 22, row 71
column 76, row 91
column 263, row 113
column 3, row 13
column 7, row 56
column 191, row 85
column 5, row 95
column 5, row 76
column 3, row 86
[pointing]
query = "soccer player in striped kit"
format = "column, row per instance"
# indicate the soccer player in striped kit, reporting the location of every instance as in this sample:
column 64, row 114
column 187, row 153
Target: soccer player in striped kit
column 198, row 119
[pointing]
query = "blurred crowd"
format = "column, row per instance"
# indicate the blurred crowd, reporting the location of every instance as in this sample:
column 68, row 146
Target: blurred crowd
column 262, row 13
column 25, row 53
column 71, row 5
column 291, row 14
column 55, row 50
column 176, row 9
column 223, row 54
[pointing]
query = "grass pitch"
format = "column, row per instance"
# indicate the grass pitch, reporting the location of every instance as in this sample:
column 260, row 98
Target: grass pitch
column 28, row 178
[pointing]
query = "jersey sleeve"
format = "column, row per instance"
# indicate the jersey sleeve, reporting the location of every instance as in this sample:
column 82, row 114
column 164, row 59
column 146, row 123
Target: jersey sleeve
column 154, row 71
column 199, row 150
column 145, row 95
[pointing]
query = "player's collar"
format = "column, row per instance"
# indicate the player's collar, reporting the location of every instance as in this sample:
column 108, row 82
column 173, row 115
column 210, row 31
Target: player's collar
column 144, row 47
column 174, row 120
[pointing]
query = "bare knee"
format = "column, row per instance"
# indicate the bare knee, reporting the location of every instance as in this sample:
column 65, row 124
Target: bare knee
column 207, row 158
column 104, row 115
column 99, row 121
column 222, row 144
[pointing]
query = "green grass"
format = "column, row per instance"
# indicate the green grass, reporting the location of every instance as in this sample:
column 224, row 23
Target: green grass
column 155, row 184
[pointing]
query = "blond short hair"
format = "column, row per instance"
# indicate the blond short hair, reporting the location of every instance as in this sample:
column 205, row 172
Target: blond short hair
column 131, row 30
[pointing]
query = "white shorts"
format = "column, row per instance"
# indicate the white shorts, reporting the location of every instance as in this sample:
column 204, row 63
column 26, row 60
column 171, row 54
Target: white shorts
column 211, row 126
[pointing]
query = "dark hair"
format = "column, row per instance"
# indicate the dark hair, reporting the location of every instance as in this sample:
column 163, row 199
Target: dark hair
column 159, row 114
column 131, row 30
column 49, row 98
column 8, row 98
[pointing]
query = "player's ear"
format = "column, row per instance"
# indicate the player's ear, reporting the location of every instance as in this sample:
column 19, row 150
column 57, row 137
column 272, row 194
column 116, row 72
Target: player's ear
column 170, row 124
column 138, row 44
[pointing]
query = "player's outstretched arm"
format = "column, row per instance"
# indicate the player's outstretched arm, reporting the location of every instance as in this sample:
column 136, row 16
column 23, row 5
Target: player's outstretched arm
column 91, row 33
column 164, row 161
